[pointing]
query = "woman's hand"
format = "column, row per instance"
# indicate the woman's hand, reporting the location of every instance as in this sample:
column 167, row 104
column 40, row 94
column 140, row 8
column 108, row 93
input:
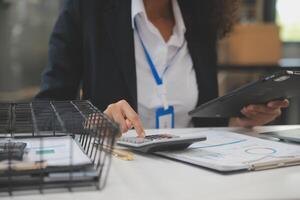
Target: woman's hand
column 258, row 115
column 122, row 113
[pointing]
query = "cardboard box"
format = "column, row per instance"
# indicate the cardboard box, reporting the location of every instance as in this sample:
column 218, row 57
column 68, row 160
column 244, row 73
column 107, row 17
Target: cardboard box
column 251, row 44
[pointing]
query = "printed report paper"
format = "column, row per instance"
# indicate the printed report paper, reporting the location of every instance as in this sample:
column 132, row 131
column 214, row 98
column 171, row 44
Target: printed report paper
column 52, row 151
column 229, row 151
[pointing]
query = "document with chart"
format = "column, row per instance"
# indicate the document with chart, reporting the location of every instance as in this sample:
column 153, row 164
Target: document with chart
column 52, row 152
column 228, row 151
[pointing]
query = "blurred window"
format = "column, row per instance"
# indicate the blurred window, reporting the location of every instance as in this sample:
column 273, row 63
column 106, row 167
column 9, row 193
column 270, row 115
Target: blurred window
column 288, row 18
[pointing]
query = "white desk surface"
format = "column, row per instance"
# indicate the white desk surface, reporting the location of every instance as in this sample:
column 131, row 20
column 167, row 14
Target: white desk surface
column 154, row 178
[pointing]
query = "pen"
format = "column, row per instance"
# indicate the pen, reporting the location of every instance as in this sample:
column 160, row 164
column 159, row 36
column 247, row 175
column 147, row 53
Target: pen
column 24, row 166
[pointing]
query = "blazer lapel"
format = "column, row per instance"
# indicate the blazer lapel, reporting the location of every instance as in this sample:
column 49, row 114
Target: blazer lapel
column 202, row 51
column 117, row 19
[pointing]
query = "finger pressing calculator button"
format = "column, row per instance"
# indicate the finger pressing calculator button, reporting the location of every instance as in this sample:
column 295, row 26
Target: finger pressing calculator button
column 139, row 140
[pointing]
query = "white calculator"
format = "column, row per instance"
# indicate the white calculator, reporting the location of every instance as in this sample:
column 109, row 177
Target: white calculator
column 161, row 142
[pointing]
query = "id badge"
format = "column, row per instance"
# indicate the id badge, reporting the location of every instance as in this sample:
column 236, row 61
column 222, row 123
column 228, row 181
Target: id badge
column 165, row 118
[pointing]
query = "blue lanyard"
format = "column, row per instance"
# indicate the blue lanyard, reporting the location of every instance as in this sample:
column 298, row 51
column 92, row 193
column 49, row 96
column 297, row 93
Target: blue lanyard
column 155, row 74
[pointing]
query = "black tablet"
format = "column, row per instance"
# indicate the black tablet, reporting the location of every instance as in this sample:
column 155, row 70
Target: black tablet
column 281, row 85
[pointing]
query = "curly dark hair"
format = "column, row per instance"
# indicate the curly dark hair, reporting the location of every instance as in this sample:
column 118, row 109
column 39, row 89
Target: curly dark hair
column 225, row 15
column 219, row 15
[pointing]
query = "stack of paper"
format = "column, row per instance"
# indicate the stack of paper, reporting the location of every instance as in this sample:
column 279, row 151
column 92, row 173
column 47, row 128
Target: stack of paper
column 53, row 152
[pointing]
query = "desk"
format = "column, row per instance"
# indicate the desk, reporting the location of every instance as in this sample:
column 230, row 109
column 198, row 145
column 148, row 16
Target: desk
column 154, row 178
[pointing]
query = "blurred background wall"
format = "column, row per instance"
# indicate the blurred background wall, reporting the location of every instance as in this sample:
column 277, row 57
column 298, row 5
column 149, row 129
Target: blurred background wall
column 266, row 39
column 25, row 26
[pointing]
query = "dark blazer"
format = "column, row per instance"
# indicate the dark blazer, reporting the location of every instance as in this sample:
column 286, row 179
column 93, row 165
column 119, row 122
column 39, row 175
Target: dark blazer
column 92, row 47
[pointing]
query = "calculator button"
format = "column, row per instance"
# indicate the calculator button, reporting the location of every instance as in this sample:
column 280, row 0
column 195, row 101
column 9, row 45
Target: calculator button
column 135, row 140
column 161, row 137
column 148, row 139
column 139, row 140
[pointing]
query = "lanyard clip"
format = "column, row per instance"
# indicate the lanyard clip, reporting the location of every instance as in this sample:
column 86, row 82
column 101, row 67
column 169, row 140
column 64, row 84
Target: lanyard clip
column 161, row 89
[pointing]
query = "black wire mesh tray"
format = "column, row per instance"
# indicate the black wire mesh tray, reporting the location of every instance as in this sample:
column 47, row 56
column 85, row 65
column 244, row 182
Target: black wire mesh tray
column 54, row 144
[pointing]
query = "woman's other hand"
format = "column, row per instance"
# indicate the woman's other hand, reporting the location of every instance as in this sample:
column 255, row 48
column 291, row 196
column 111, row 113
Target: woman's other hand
column 258, row 115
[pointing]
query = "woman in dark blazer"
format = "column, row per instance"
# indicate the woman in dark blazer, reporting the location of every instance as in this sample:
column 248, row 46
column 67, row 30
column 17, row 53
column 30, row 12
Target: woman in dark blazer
column 92, row 47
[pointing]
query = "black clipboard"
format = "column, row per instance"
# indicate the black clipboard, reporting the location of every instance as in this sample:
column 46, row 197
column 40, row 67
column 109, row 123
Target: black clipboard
column 280, row 85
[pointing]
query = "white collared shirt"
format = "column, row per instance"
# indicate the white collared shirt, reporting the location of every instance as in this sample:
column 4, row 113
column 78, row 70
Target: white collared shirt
column 180, row 78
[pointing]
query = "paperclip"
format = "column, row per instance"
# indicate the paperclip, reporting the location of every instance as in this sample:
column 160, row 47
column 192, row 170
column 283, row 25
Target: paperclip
column 120, row 153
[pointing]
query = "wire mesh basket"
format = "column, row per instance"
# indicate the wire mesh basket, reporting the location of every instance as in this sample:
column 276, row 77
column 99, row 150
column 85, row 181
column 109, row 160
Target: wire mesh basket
column 54, row 145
